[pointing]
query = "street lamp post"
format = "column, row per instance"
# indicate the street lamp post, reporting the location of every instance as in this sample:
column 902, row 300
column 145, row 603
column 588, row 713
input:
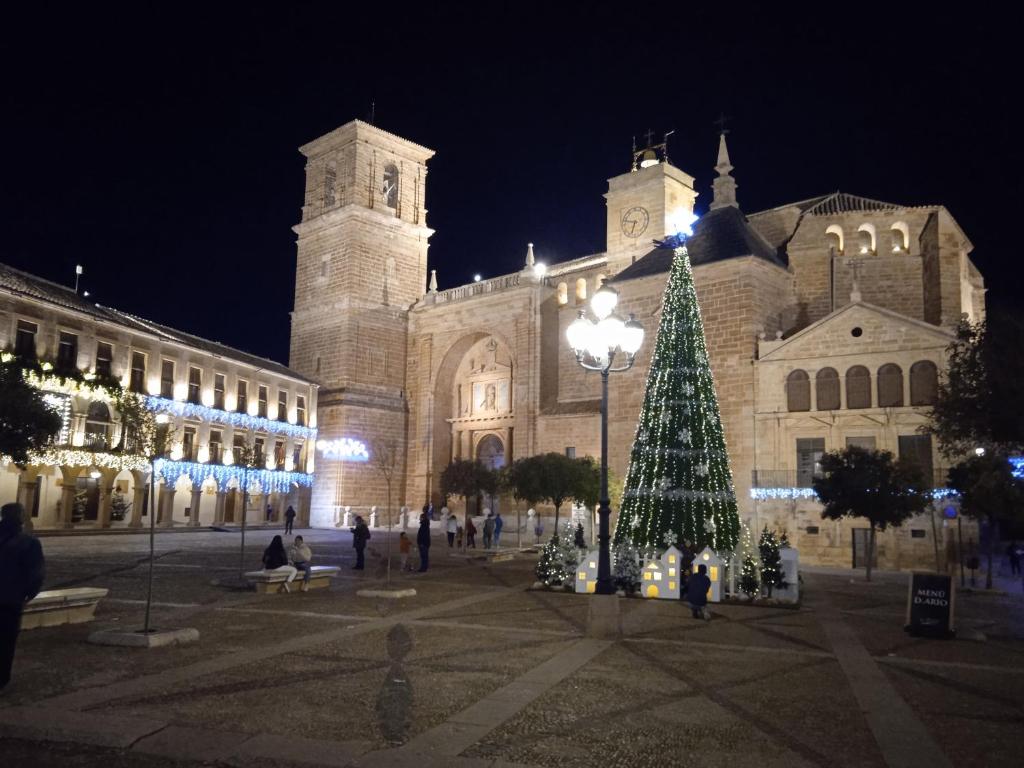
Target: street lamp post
column 596, row 346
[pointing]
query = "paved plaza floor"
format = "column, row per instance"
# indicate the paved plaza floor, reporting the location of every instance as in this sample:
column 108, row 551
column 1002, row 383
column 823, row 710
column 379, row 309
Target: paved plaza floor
column 479, row 670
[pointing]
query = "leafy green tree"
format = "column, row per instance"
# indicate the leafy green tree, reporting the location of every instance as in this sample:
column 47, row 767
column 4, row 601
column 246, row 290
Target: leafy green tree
column 522, row 478
column 468, row 479
column 988, row 491
column 27, row 423
column 980, row 401
column 856, row 482
column 562, row 478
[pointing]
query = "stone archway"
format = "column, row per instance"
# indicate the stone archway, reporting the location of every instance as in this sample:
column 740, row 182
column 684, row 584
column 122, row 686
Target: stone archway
column 491, row 452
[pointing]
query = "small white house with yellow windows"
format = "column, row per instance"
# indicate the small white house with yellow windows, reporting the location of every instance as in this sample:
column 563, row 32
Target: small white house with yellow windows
column 586, row 573
column 660, row 577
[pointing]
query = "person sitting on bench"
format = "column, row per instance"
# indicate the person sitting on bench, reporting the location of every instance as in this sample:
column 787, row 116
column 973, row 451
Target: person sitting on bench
column 301, row 556
column 276, row 559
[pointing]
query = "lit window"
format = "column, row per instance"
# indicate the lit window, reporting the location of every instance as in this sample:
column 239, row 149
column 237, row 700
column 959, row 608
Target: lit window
column 671, row 585
column 647, row 576
column 671, row 558
column 657, row 577
column 671, row 571
column 582, row 576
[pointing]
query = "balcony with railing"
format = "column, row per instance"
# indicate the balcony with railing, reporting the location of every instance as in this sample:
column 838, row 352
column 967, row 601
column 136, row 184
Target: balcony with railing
column 479, row 288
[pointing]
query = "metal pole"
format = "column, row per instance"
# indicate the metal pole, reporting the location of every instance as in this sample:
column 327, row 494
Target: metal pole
column 960, row 546
column 245, row 493
column 605, row 585
column 152, row 541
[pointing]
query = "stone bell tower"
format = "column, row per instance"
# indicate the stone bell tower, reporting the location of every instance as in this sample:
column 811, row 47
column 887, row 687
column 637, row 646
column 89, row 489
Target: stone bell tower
column 646, row 204
column 362, row 263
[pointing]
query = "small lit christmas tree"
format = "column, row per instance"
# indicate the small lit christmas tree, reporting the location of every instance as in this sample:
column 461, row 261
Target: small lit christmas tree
column 626, row 567
column 550, row 568
column 679, row 485
column 748, row 576
column 771, row 561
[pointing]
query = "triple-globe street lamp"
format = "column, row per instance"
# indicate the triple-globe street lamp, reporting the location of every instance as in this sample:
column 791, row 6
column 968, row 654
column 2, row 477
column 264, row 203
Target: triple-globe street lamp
column 597, row 346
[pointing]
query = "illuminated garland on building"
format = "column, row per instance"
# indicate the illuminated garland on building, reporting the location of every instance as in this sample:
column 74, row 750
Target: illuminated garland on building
column 270, row 481
column 65, row 385
column 679, row 484
column 229, row 418
column 76, row 457
column 773, row 494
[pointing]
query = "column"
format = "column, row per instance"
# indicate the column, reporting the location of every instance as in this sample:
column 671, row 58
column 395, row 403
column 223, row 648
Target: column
column 138, row 500
column 68, row 485
column 218, row 509
column 26, row 494
column 197, row 497
column 302, row 513
column 165, row 507
column 259, row 501
column 106, row 486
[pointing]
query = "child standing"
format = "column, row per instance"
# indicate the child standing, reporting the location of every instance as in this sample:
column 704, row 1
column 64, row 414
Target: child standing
column 404, row 545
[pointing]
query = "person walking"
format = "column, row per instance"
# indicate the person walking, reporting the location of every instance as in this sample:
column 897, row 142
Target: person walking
column 451, row 527
column 1014, row 552
column 360, row 535
column 289, row 519
column 404, row 545
column 498, row 525
column 488, row 530
column 470, row 533
column 697, row 593
column 275, row 560
column 270, row 512
column 301, row 556
column 22, row 569
column 423, row 542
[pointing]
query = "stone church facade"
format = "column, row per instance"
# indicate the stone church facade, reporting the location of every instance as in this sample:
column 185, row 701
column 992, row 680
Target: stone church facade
column 826, row 320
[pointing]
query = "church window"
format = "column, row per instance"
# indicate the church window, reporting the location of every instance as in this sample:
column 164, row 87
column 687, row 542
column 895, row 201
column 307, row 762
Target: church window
column 900, row 234
column 563, row 294
column 858, row 387
column 581, row 290
column 890, row 386
column 834, row 235
column 809, row 451
column 917, row 451
column 826, row 386
column 924, row 383
column 866, row 238
column 798, row 391
column 330, row 182
column 389, row 189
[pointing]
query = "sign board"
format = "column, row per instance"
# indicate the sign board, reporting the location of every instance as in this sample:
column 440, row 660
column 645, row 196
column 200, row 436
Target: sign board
column 930, row 605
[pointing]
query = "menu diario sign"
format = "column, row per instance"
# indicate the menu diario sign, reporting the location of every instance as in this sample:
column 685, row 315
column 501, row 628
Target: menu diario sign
column 930, row 605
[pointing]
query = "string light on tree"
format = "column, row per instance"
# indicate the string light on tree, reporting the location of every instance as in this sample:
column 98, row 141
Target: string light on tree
column 679, row 480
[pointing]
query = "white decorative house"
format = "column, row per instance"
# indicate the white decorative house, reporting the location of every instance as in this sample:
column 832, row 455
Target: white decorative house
column 716, row 569
column 586, row 573
column 660, row 577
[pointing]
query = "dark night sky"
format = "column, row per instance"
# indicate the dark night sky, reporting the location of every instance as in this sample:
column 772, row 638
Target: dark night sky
column 159, row 148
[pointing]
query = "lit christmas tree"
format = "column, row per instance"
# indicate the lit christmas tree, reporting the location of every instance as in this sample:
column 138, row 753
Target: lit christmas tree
column 679, row 485
column 771, row 561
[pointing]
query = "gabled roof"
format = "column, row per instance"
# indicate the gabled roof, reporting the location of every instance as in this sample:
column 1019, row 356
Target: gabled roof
column 718, row 235
column 24, row 284
column 839, row 202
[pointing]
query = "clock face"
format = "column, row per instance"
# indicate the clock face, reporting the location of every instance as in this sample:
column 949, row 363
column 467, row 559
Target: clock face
column 635, row 221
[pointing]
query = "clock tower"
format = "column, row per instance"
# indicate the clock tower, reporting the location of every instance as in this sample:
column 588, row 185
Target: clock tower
column 645, row 205
column 361, row 264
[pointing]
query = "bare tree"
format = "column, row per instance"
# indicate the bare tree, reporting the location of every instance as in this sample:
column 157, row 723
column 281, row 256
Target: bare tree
column 384, row 454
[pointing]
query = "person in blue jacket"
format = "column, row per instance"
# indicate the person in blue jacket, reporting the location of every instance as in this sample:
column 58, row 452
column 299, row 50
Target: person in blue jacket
column 22, row 569
column 697, row 593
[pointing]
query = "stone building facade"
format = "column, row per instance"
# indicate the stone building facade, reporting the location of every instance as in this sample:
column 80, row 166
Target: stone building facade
column 216, row 400
column 793, row 300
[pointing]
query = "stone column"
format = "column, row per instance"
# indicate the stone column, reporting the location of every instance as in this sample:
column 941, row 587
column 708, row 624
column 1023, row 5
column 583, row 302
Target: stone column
column 141, row 480
column 302, row 513
column 69, row 480
column 26, row 494
column 218, row 509
column 197, row 497
column 106, row 486
column 165, row 507
column 259, row 501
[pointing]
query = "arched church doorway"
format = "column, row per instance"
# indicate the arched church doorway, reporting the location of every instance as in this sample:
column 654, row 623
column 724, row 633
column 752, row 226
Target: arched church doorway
column 490, row 452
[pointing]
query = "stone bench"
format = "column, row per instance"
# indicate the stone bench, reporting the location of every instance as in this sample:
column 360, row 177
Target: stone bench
column 62, row 606
column 270, row 581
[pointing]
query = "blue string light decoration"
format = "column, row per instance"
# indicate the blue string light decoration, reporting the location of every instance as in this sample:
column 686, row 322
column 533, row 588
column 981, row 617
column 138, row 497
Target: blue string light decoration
column 230, row 418
column 270, row 480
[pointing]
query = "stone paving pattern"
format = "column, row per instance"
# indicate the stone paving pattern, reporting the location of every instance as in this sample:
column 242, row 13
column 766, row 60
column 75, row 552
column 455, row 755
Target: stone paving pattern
column 477, row 669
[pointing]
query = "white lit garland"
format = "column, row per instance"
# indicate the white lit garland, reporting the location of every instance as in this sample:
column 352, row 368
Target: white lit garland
column 270, row 481
column 229, row 418
column 72, row 457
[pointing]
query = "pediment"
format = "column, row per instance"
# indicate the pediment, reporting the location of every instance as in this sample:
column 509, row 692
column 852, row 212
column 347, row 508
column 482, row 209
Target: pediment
column 861, row 329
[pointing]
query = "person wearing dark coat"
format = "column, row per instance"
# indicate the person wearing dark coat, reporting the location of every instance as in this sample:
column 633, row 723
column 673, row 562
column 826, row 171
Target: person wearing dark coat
column 697, row 592
column 275, row 558
column 22, row 569
column 360, row 535
column 289, row 519
column 423, row 542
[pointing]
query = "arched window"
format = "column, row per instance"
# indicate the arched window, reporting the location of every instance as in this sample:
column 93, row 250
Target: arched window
column 330, row 181
column 798, row 391
column 858, row 387
column 924, row 383
column 890, row 386
column 389, row 190
column 563, row 294
column 581, row 290
column 599, row 281
column 97, row 426
column 866, row 238
column 826, row 385
column 834, row 235
column 900, row 234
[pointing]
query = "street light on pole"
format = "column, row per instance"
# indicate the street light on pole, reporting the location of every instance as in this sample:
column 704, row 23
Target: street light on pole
column 596, row 346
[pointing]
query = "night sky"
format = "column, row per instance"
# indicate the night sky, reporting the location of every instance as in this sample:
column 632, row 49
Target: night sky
column 159, row 149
